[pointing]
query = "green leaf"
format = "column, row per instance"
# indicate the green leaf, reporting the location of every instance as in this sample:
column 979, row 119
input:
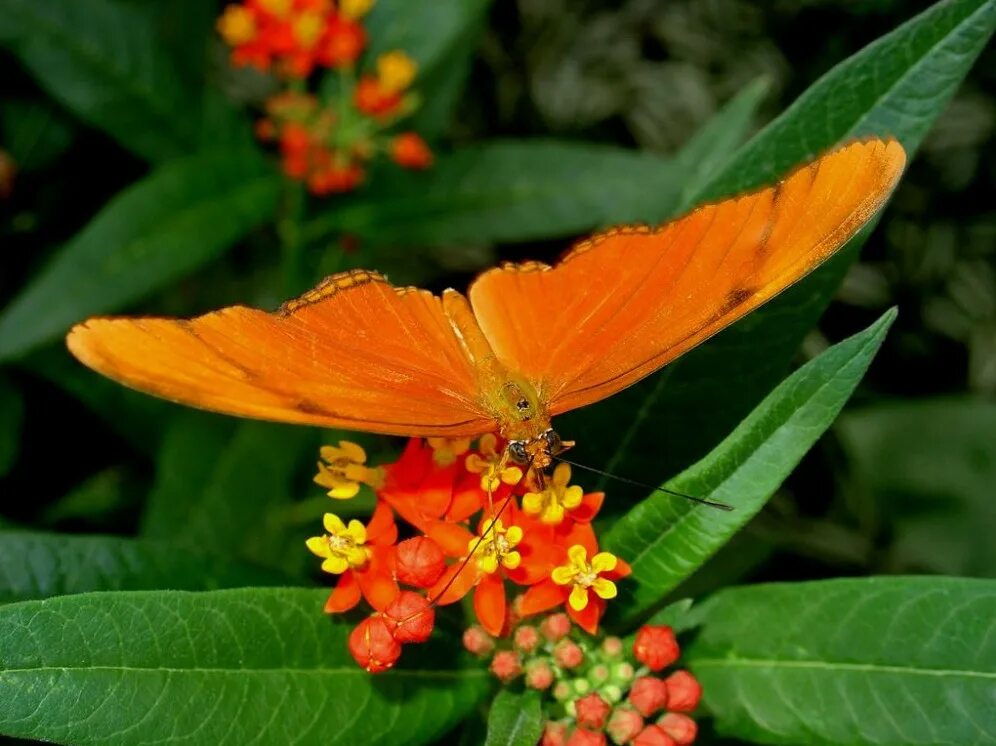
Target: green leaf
column 101, row 60
column 896, row 86
column 11, row 419
column 224, row 667
column 181, row 216
column 888, row 660
column 440, row 36
column 222, row 484
column 508, row 191
column 930, row 466
column 34, row 133
column 516, row 719
column 98, row 495
column 39, row 565
column 665, row 539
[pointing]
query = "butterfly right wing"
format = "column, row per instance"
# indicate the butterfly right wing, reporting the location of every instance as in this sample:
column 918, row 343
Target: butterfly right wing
column 354, row 353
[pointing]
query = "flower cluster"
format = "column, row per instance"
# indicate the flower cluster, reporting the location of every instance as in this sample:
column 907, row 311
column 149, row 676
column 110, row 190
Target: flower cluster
column 475, row 525
column 597, row 692
column 326, row 142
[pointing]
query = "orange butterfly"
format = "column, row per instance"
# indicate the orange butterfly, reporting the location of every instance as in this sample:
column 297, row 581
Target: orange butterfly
column 526, row 343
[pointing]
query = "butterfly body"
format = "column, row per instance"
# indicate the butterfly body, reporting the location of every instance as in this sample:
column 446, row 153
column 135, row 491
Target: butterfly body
column 526, row 343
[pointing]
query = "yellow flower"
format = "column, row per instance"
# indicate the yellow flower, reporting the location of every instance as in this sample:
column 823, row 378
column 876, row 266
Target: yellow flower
column 237, row 25
column 308, row 29
column 353, row 9
column 279, row 8
column 446, row 450
column 491, row 465
column 497, row 548
column 396, row 71
column 583, row 576
column 344, row 470
column 342, row 547
column 552, row 503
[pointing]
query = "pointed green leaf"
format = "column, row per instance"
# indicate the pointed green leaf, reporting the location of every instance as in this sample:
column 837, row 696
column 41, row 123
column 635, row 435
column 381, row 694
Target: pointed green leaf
column 888, row 660
column 34, row 133
column 897, row 86
column 101, row 60
column 516, row 719
column 39, row 565
column 181, row 216
column 666, row 539
column 223, row 667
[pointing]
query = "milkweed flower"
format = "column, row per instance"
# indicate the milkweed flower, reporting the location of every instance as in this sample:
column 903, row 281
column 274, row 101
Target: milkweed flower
column 342, row 470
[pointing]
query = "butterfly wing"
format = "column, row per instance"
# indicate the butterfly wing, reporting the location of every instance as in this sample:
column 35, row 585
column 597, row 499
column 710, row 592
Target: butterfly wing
column 354, row 352
column 621, row 305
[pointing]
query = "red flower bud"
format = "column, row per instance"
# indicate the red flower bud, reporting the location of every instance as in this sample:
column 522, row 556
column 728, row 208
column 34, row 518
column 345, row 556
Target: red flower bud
column 526, row 638
column 683, row 691
column 409, row 150
column 506, row 665
column 477, row 641
column 656, row 647
column 373, row 646
column 585, row 737
column 680, row 727
column 555, row 627
column 624, row 724
column 539, row 675
column 554, row 733
column 410, row 618
column 419, row 562
column 591, row 711
column 568, row 654
column 648, row 695
column 653, row 735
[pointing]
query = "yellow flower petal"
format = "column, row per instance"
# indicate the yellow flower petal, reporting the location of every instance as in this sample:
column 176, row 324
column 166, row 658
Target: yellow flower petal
column 324, row 477
column 513, row 536
column 318, row 545
column 572, row 497
column 511, row 475
column 561, row 475
column 489, row 482
column 532, row 502
column 578, row 555
column 353, row 452
column 511, row 560
column 604, row 588
column 578, row 598
column 335, row 564
column 562, row 575
column 488, row 444
column 355, row 472
column 603, row 562
column 330, row 453
column 357, row 556
column 344, row 491
column 357, row 532
column 553, row 514
column 487, row 563
column 475, row 464
column 333, row 524
column 354, row 9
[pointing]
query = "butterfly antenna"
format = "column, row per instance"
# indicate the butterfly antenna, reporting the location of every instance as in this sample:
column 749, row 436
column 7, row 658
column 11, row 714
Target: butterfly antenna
column 433, row 602
column 626, row 480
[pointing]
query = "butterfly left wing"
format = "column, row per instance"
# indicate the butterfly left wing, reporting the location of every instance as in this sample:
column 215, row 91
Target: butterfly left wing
column 623, row 304
column 354, row 353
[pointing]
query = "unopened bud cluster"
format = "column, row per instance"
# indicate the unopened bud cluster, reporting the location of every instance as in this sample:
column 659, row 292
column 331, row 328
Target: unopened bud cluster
column 599, row 691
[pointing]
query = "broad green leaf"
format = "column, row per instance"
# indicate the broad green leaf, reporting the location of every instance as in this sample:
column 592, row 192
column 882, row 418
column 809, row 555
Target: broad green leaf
column 888, row 660
column 896, row 86
column 222, row 485
column 440, row 36
column 516, row 719
column 39, row 565
column 666, row 539
column 713, row 145
column 507, row 191
column 11, row 418
column 101, row 60
column 930, row 466
column 181, row 216
column 223, row 667
column 34, row 133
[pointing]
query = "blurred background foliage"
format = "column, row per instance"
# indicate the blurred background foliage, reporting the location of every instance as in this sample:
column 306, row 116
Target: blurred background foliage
column 903, row 483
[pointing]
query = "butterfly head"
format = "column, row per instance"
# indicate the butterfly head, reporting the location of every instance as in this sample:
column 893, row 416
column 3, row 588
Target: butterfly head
column 539, row 450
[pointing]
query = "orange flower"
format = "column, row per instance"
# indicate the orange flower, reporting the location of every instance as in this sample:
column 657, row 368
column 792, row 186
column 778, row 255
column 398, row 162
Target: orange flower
column 362, row 557
column 409, row 150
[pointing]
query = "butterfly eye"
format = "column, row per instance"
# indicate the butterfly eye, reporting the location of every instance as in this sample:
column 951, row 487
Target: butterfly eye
column 517, row 451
